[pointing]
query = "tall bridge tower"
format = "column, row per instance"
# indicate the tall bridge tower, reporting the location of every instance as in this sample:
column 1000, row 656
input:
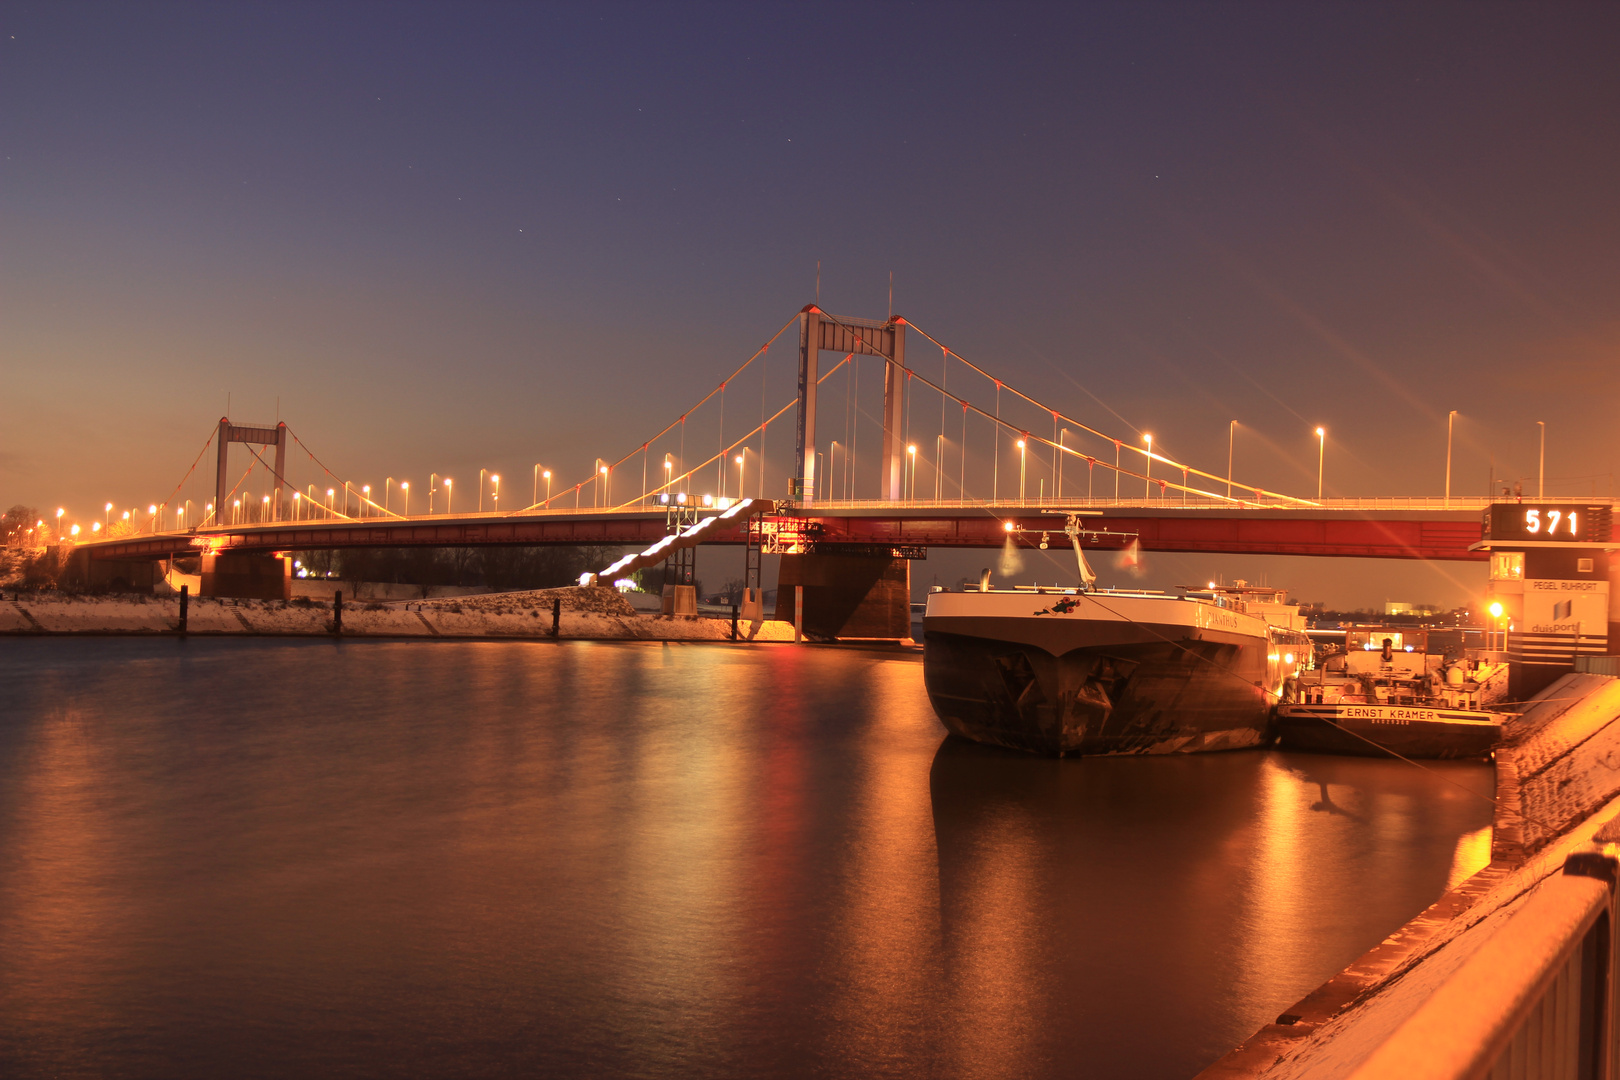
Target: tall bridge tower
column 820, row 331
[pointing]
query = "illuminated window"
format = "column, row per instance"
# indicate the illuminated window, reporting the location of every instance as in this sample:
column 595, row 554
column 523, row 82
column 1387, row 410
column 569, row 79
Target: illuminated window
column 1583, row 566
column 1507, row 566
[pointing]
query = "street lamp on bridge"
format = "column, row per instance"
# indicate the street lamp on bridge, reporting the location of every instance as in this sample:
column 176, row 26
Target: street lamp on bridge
column 481, row 490
column 1022, row 456
column 1147, row 479
column 1451, row 420
column 496, row 499
column 449, row 494
column 1321, row 454
column 405, row 489
column 433, row 485
column 739, row 460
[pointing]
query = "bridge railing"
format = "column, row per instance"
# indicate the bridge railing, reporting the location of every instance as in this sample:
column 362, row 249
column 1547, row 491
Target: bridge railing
column 1536, row 1000
column 1389, row 502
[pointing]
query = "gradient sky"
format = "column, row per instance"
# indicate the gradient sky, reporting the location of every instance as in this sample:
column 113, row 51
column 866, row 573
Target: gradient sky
column 445, row 237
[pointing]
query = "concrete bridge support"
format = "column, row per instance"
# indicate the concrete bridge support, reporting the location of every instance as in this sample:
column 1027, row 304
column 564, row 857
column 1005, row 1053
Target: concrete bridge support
column 847, row 597
column 247, row 577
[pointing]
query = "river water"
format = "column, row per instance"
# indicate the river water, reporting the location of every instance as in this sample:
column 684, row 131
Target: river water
column 295, row 858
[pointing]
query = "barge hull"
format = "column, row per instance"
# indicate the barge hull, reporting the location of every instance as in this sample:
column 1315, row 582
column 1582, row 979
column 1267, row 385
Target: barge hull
column 1156, row 696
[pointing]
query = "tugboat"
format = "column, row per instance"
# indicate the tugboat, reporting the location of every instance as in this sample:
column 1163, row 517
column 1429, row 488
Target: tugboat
column 1385, row 693
column 1086, row 670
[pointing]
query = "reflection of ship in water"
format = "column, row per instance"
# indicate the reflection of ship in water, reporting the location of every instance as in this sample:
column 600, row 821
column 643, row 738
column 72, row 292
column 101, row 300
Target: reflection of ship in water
column 1092, row 905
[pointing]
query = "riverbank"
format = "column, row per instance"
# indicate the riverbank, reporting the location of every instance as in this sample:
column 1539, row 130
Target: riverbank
column 593, row 614
column 1555, row 788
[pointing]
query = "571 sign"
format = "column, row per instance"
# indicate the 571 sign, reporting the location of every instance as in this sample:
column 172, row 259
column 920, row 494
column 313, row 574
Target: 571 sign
column 1569, row 522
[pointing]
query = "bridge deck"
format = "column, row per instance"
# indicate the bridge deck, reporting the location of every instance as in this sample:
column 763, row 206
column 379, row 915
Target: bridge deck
column 1364, row 528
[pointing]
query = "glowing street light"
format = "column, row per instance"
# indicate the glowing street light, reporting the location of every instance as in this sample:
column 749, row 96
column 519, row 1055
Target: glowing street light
column 1321, row 453
column 266, row 512
column 481, row 475
column 366, row 492
column 107, row 516
column 1231, row 438
column 1147, row 479
column 74, row 530
column 433, row 486
column 547, row 477
column 911, row 467
column 59, row 512
column 330, row 492
column 739, row 459
column 405, row 489
column 1451, row 421
column 1022, row 454
column 606, row 493
column 497, row 498
column 298, row 505
column 236, row 511
column 152, row 510
column 95, row 526
column 449, row 493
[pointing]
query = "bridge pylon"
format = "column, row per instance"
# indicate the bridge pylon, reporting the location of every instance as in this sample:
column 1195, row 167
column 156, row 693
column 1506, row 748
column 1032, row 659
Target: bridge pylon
column 254, row 436
column 820, row 331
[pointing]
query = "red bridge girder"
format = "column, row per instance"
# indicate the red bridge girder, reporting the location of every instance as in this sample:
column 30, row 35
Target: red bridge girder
column 1394, row 535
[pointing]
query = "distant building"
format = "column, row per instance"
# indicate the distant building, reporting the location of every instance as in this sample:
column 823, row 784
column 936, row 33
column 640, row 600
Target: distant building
column 1398, row 607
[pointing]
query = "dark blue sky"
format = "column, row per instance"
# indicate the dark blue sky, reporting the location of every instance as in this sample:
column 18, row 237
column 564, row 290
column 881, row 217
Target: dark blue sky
column 458, row 236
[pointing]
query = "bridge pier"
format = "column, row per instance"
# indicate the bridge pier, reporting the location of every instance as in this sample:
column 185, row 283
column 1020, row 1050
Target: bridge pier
column 246, row 577
column 847, row 597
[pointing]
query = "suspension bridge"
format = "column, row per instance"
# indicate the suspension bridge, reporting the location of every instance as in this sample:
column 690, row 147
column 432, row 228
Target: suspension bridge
column 874, row 474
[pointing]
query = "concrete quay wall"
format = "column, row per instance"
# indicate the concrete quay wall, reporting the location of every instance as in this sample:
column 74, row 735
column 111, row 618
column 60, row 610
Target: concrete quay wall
column 1557, row 783
column 524, row 616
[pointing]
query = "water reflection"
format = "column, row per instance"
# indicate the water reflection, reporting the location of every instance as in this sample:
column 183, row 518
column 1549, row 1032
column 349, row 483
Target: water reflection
column 1093, row 906
column 299, row 858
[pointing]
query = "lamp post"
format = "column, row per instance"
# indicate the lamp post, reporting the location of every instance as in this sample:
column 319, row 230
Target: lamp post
column 298, row 505
column 433, row 487
column 1021, row 461
column 331, row 493
column 939, row 464
column 481, row 491
column 236, row 511
column 1321, row 454
column 669, row 472
column 547, row 476
column 405, row 490
column 1451, row 421
column 1541, row 469
column 1147, row 479
column 1231, row 440
column 739, row 459
column 366, row 492
column 106, row 517
column 449, row 494
column 911, row 461
column 388, row 484
column 496, row 498
column 606, row 494
column 264, row 515
column 59, row 512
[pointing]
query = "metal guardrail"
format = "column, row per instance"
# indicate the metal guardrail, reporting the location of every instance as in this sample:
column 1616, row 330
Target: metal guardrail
column 1598, row 665
column 1538, row 998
